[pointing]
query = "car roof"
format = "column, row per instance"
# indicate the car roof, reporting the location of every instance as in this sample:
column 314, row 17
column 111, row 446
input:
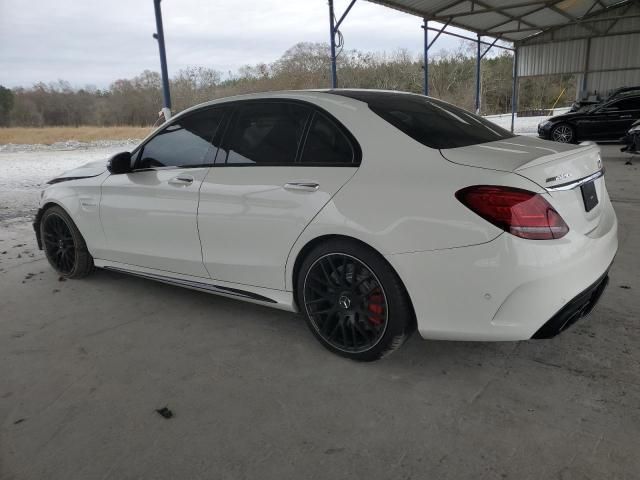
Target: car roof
column 336, row 95
column 308, row 95
column 626, row 89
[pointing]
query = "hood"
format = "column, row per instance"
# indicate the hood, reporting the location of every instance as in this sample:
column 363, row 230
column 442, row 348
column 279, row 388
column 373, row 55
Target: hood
column 91, row 169
column 567, row 116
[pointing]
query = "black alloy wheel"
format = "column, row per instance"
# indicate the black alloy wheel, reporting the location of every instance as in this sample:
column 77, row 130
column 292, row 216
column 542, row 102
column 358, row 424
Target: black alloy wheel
column 346, row 302
column 63, row 244
column 58, row 243
column 353, row 300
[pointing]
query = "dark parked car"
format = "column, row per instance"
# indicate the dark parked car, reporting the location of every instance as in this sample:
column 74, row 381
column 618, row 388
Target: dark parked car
column 608, row 121
column 591, row 101
column 632, row 139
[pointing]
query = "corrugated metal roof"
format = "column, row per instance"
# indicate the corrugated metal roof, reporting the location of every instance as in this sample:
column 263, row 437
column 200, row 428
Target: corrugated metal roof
column 596, row 38
column 547, row 59
column 511, row 20
column 564, row 50
column 619, row 52
column 606, row 81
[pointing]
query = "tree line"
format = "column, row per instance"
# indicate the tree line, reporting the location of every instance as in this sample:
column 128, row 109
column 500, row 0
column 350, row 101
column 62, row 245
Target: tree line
column 137, row 101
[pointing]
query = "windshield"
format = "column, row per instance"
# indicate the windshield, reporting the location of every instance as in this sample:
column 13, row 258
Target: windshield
column 432, row 122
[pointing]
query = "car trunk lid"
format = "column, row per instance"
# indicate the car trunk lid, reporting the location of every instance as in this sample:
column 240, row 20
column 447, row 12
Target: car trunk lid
column 566, row 172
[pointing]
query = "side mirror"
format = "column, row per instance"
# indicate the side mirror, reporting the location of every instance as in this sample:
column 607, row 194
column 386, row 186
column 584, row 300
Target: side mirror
column 120, row 163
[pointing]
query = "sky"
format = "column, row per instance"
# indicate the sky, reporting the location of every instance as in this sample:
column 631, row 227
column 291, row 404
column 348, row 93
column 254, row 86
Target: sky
column 92, row 42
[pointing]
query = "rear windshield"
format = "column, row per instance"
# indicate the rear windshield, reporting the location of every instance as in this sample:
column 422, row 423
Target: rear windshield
column 431, row 122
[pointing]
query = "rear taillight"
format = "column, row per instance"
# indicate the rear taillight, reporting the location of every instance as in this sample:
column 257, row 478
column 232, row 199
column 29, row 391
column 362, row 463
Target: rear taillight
column 520, row 212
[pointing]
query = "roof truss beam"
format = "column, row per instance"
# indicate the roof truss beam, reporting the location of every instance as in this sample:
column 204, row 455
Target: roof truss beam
column 508, row 15
column 595, row 16
column 617, row 19
column 526, row 26
column 474, row 40
column 540, row 4
column 438, row 34
column 489, row 47
column 474, row 11
column 574, row 20
column 545, row 4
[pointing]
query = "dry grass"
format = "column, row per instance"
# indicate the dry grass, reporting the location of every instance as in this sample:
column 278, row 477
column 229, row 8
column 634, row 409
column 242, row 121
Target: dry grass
column 49, row 135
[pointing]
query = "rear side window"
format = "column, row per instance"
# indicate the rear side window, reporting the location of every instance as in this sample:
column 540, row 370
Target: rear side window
column 184, row 143
column 265, row 134
column 632, row 103
column 431, row 122
column 326, row 144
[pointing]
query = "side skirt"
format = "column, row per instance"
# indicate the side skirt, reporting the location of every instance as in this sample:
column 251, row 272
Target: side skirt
column 263, row 296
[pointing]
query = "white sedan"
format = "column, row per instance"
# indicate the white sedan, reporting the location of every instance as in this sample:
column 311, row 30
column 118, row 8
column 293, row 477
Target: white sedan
column 372, row 213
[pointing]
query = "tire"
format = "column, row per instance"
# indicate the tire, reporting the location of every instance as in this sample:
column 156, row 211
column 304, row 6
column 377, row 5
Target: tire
column 353, row 301
column 563, row 133
column 63, row 244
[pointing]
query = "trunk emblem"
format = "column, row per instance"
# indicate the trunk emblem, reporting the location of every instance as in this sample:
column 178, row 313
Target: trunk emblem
column 562, row 176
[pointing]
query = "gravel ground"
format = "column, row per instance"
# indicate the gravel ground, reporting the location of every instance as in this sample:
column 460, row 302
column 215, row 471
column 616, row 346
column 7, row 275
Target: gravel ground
column 24, row 169
column 522, row 126
column 84, row 365
column 69, row 145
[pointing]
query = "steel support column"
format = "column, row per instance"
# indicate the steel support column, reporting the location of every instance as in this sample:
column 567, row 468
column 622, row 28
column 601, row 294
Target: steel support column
column 427, row 45
column 514, row 88
column 585, row 73
column 478, row 58
column 159, row 36
column 333, row 31
column 426, row 56
column 332, row 43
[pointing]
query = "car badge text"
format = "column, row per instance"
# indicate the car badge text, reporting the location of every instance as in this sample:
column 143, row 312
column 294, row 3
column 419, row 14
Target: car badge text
column 562, row 176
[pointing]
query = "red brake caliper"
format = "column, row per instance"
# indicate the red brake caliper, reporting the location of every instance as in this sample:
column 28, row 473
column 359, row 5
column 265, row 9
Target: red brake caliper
column 375, row 307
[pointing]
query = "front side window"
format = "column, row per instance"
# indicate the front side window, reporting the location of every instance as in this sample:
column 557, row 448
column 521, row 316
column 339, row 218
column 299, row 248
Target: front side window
column 184, row 143
column 326, row 144
column 266, row 133
column 432, row 122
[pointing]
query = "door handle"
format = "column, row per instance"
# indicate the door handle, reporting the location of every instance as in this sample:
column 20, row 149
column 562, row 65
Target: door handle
column 181, row 181
column 625, row 116
column 302, row 186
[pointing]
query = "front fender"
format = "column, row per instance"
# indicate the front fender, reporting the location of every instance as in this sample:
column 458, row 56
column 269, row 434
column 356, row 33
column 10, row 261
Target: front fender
column 80, row 199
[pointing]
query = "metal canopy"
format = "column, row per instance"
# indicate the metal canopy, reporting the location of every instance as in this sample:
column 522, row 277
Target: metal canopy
column 510, row 20
column 520, row 22
column 528, row 24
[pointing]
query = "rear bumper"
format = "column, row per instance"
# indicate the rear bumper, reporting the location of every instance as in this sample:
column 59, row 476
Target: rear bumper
column 579, row 307
column 509, row 288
